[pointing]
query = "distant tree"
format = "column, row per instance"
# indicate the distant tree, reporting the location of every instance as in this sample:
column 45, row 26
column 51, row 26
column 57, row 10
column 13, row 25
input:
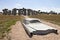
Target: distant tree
column 52, row 12
column 38, row 11
column 59, row 13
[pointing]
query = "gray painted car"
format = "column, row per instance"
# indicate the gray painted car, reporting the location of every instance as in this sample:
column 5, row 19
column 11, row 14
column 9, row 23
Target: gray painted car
column 33, row 26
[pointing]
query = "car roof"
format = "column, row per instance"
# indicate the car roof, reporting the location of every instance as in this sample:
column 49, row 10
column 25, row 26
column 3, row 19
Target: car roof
column 32, row 19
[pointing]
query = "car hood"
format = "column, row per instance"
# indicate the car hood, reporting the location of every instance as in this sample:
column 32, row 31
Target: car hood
column 39, row 26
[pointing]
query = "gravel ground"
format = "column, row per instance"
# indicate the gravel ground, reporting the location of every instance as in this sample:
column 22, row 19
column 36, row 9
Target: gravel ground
column 18, row 33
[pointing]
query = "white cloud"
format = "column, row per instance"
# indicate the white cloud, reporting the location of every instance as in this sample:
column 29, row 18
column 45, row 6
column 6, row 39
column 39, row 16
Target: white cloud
column 17, row 5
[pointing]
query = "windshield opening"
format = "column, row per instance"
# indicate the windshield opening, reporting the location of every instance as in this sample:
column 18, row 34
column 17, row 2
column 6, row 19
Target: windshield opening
column 35, row 21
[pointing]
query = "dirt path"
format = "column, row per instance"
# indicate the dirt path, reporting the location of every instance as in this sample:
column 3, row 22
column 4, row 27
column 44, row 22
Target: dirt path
column 26, row 16
column 18, row 33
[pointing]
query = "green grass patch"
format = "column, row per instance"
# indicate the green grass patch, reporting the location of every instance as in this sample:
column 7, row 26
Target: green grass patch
column 5, row 22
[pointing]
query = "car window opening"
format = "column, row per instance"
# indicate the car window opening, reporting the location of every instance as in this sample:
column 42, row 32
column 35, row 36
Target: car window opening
column 35, row 21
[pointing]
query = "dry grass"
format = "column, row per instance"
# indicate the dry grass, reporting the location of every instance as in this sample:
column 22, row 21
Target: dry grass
column 5, row 23
column 50, row 18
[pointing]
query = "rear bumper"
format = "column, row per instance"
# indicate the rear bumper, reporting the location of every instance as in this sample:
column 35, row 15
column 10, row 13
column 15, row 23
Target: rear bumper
column 44, row 32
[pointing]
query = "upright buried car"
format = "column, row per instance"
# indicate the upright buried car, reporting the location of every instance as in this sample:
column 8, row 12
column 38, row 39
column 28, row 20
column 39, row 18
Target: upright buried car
column 33, row 26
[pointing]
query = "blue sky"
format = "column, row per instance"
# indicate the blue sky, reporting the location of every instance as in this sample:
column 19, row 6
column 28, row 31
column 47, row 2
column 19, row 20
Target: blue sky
column 43, row 5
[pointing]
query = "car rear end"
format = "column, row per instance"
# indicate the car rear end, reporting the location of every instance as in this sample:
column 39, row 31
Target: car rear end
column 44, row 32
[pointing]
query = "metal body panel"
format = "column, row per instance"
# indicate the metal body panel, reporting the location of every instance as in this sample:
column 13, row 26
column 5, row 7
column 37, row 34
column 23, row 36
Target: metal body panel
column 38, row 28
